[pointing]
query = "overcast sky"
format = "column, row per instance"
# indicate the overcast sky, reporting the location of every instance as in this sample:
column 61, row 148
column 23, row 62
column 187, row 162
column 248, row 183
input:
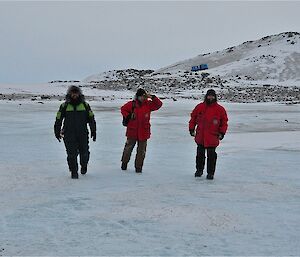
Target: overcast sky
column 42, row 41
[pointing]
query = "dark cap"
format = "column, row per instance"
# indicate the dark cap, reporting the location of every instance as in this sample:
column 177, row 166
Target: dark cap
column 140, row 92
column 211, row 92
column 74, row 89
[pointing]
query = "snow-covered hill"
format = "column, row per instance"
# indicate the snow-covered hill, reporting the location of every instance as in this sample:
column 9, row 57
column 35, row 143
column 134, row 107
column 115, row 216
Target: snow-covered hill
column 273, row 58
column 263, row 70
column 272, row 61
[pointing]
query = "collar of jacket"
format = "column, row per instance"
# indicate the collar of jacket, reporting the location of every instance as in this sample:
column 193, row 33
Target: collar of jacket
column 140, row 103
column 75, row 103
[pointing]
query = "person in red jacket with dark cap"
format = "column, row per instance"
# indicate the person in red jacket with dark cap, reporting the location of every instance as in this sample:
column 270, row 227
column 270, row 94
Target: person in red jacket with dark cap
column 136, row 116
column 209, row 119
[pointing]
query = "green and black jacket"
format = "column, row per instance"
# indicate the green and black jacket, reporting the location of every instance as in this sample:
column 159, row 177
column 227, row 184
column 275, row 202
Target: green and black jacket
column 74, row 119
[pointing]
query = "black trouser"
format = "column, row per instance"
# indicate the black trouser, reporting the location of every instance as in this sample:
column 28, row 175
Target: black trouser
column 211, row 159
column 77, row 145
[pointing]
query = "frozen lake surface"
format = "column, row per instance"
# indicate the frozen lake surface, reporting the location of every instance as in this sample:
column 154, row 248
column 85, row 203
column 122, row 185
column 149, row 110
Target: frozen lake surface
column 251, row 208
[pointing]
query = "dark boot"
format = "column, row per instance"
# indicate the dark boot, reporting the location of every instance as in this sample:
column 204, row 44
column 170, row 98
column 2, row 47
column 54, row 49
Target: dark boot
column 210, row 177
column 198, row 174
column 83, row 169
column 124, row 166
column 138, row 170
column 74, row 174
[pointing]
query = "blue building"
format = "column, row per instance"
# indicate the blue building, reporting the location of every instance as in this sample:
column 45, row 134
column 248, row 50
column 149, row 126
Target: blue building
column 203, row 66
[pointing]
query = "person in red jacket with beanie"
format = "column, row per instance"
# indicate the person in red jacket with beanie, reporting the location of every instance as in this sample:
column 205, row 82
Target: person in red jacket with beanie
column 136, row 115
column 209, row 119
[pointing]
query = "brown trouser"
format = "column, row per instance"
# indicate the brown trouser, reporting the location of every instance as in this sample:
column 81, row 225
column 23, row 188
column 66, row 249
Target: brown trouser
column 140, row 153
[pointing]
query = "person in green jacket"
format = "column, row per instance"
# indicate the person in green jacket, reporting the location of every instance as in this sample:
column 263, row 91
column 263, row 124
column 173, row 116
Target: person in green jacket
column 74, row 114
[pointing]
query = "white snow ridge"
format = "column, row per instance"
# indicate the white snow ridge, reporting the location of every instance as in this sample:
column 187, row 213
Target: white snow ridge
column 274, row 57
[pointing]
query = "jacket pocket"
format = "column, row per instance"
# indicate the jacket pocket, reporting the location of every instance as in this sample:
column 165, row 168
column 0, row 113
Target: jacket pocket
column 132, row 124
column 147, row 127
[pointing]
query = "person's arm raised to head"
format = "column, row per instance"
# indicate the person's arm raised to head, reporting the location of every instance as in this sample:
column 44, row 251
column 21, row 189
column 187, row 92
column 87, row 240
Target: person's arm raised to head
column 155, row 103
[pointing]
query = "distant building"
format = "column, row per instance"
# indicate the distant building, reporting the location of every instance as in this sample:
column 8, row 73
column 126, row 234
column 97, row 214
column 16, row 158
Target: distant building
column 203, row 66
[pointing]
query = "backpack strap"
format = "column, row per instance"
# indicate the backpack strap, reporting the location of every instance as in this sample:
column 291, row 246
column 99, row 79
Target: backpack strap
column 133, row 106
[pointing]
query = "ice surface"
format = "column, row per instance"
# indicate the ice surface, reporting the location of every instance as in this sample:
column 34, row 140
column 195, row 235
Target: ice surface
column 251, row 208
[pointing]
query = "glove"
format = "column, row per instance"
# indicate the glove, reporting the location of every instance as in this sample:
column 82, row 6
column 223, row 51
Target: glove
column 192, row 132
column 58, row 136
column 132, row 116
column 150, row 96
column 221, row 136
column 93, row 136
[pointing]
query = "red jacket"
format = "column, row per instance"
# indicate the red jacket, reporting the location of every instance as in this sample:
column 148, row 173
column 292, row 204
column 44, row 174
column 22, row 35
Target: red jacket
column 139, row 128
column 211, row 120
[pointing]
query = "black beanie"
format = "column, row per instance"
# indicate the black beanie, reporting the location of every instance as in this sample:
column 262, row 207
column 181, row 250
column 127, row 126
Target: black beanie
column 211, row 92
column 140, row 92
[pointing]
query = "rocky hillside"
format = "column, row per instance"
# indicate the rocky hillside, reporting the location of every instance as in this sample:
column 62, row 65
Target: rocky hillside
column 273, row 59
column 267, row 69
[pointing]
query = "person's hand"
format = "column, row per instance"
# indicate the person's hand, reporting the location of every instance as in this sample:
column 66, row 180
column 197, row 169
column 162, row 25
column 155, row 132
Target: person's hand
column 149, row 96
column 192, row 132
column 58, row 137
column 221, row 136
column 94, row 135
